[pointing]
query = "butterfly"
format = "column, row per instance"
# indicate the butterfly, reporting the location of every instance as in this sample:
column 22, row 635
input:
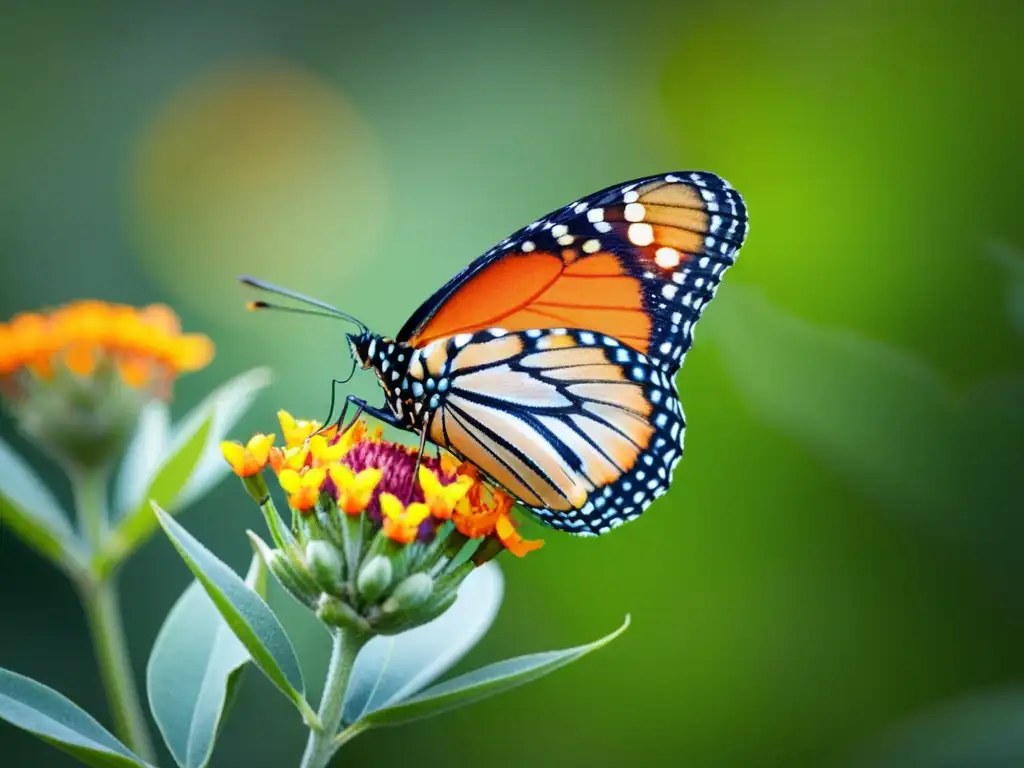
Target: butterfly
column 550, row 361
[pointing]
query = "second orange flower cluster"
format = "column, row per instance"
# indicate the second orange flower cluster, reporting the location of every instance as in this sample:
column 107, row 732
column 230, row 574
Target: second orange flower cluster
column 362, row 472
column 144, row 344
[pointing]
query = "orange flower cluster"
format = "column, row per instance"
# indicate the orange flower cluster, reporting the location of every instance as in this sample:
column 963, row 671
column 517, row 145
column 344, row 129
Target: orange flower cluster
column 362, row 472
column 145, row 345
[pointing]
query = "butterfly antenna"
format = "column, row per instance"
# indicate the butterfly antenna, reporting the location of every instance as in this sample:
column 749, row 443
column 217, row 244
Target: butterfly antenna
column 327, row 309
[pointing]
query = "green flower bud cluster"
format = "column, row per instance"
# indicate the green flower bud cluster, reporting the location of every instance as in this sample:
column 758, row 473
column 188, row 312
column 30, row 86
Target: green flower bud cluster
column 348, row 571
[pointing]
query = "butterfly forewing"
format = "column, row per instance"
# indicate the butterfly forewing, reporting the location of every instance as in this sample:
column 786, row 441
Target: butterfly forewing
column 637, row 262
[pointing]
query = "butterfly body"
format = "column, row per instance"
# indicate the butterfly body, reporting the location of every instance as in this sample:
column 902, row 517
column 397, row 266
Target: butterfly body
column 550, row 361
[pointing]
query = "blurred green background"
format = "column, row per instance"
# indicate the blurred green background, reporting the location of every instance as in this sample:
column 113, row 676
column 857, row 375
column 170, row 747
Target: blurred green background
column 837, row 572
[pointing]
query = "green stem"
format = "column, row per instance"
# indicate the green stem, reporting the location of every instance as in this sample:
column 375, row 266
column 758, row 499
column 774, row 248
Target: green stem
column 322, row 744
column 90, row 487
column 103, row 614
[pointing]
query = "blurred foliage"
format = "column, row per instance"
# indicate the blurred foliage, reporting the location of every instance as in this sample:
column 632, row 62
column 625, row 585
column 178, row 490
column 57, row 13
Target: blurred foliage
column 853, row 395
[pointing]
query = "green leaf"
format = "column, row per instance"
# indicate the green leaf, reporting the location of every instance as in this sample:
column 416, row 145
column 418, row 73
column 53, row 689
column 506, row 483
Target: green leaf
column 194, row 669
column 228, row 403
column 43, row 712
column 245, row 612
column 481, row 683
column 982, row 730
column 142, row 457
column 876, row 415
column 1011, row 260
column 396, row 667
column 29, row 509
column 164, row 489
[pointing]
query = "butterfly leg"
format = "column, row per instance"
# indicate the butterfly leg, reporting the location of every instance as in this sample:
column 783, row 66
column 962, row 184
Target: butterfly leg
column 334, row 392
column 416, row 468
column 361, row 407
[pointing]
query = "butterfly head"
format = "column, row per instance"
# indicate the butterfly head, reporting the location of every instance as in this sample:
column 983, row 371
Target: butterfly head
column 363, row 346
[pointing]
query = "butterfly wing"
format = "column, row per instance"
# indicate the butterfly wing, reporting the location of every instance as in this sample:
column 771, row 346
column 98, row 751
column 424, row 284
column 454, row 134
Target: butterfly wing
column 583, row 430
column 637, row 262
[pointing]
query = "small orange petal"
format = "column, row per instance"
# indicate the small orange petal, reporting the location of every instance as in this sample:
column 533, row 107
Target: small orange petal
column 42, row 366
column 80, row 359
column 513, row 542
column 258, row 448
column 161, row 318
column 191, row 352
column 135, row 371
column 234, row 454
column 449, row 464
column 290, row 480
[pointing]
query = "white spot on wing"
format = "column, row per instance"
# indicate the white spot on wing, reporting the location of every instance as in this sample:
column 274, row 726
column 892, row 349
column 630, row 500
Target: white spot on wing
column 666, row 257
column 641, row 234
column 634, row 212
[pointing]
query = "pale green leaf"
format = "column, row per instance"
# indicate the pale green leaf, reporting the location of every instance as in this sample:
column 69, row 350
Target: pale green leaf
column 480, row 684
column 29, row 509
column 982, row 730
column 1012, row 261
column 228, row 403
column 194, row 668
column 395, row 667
column 164, row 489
column 245, row 612
column 45, row 713
column 142, row 457
column 884, row 420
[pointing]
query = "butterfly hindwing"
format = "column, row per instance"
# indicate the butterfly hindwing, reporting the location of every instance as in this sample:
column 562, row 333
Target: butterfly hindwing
column 637, row 261
column 581, row 428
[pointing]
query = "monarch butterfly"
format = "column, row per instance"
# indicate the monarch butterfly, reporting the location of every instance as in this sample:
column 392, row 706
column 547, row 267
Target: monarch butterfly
column 550, row 361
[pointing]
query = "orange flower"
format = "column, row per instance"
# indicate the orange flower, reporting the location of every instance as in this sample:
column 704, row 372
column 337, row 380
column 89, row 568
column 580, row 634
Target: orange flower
column 145, row 346
column 510, row 537
column 297, row 431
column 354, row 490
column 362, row 474
column 475, row 522
column 441, row 499
column 303, row 489
column 478, row 513
column 249, row 459
column 401, row 523
column 295, row 457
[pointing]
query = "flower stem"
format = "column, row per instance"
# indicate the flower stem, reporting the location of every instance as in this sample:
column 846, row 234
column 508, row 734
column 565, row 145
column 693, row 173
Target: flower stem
column 103, row 612
column 103, row 615
column 90, row 487
column 322, row 745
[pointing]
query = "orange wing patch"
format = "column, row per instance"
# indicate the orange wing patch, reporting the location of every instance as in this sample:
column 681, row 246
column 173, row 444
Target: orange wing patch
column 544, row 290
column 487, row 299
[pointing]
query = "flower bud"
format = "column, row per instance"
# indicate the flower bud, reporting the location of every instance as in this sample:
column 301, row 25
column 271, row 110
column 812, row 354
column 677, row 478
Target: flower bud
column 374, row 578
column 337, row 613
column 325, row 565
column 411, row 593
column 296, row 581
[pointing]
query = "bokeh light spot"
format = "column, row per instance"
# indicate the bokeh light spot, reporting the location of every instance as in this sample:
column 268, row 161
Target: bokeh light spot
column 258, row 169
